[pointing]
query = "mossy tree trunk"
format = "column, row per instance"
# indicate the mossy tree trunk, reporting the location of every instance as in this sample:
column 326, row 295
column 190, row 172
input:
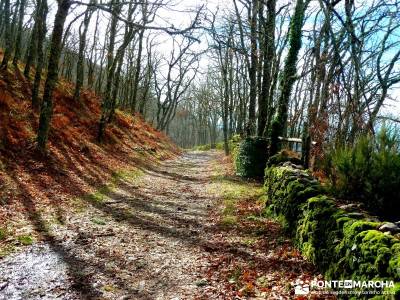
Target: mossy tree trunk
column 41, row 34
column 251, row 128
column 289, row 75
column 268, row 56
column 137, row 72
column 80, row 65
column 7, row 28
column 106, row 104
column 46, row 110
column 30, row 56
column 18, row 39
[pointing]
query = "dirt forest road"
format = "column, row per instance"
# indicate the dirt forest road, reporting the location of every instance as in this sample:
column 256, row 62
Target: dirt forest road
column 183, row 230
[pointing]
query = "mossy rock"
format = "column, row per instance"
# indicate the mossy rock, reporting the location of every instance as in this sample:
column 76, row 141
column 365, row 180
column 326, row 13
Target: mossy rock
column 343, row 245
column 394, row 262
column 317, row 230
column 284, row 156
column 287, row 189
column 252, row 157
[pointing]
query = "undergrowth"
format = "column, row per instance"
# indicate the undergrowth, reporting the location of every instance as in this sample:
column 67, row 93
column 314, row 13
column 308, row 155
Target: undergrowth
column 368, row 172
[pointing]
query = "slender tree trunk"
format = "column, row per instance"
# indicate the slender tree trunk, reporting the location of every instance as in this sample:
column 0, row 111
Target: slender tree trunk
column 18, row 40
column 7, row 28
column 269, row 52
column 137, row 71
column 52, row 74
column 106, row 104
column 41, row 37
column 251, row 129
column 31, row 51
column 93, row 60
column 80, row 66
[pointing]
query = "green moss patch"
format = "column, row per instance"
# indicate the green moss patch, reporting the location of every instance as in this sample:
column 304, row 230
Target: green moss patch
column 25, row 240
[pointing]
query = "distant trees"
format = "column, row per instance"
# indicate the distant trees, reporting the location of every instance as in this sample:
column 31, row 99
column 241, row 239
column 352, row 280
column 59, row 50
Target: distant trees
column 336, row 84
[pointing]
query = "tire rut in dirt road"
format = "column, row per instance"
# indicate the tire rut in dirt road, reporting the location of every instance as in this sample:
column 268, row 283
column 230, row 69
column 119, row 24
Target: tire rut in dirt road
column 142, row 241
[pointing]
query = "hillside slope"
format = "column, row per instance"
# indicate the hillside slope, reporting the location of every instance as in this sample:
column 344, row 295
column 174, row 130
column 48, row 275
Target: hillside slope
column 75, row 164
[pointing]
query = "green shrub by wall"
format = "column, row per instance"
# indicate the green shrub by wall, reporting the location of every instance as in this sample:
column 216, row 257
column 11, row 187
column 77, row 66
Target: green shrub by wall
column 251, row 157
column 368, row 172
column 344, row 245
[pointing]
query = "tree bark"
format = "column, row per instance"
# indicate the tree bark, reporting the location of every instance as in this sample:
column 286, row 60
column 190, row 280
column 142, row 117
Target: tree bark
column 42, row 14
column 269, row 52
column 18, row 40
column 7, row 26
column 80, row 66
column 52, row 74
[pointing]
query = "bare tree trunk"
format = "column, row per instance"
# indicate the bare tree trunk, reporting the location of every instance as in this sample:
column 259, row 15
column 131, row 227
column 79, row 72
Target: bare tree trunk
column 52, row 74
column 251, row 129
column 7, row 28
column 42, row 14
column 80, row 66
column 137, row 72
column 31, row 51
column 269, row 52
column 18, row 46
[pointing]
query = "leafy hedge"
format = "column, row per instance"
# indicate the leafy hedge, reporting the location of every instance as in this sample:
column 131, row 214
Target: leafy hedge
column 251, row 157
column 344, row 245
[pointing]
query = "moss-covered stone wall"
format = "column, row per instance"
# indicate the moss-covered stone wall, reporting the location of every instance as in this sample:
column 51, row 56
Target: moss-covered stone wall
column 342, row 244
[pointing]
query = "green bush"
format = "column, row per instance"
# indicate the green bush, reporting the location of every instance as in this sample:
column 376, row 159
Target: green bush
column 251, row 157
column 219, row 146
column 368, row 172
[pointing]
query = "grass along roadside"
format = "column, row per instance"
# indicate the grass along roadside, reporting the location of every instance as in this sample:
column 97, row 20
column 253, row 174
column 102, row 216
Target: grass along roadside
column 235, row 194
column 255, row 258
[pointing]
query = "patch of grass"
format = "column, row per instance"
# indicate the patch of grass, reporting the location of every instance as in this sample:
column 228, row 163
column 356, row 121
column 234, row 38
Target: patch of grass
column 249, row 241
column 229, row 221
column 98, row 221
column 126, row 175
column 233, row 191
column 25, row 240
column 254, row 218
column 109, row 288
column 3, row 233
column 116, row 178
column 100, row 194
column 229, row 207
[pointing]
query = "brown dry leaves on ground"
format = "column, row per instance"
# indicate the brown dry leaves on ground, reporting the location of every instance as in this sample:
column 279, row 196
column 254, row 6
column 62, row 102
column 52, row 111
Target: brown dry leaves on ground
column 185, row 229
